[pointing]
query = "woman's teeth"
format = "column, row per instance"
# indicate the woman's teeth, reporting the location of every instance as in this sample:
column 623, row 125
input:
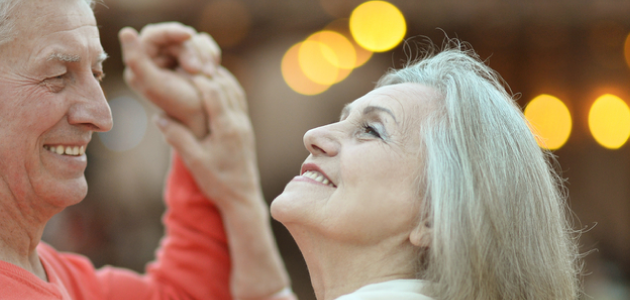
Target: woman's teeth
column 61, row 150
column 318, row 177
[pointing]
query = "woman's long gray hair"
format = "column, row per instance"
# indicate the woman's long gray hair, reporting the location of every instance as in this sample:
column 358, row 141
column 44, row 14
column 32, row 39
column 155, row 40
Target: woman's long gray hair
column 494, row 203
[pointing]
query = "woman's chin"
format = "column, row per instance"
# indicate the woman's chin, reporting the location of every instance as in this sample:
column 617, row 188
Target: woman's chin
column 288, row 207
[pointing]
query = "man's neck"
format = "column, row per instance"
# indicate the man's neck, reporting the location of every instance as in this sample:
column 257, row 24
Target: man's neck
column 22, row 228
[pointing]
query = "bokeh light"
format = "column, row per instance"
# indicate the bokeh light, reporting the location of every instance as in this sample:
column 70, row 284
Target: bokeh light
column 227, row 21
column 345, row 56
column 318, row 62
column 626, row 50
column 377, row 25
column 342, row 26
column 295, row 78
column 342, row 56
column 609, row 121
column 130, row 124
column 551, row 121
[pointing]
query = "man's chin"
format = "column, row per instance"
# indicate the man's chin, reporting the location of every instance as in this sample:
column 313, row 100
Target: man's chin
column 63, row 193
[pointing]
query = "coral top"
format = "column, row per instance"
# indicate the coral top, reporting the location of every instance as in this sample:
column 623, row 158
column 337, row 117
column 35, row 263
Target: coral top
column 192, row 261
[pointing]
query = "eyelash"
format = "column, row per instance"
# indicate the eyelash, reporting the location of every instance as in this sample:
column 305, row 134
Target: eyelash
column 370, row 130
column 99, row 76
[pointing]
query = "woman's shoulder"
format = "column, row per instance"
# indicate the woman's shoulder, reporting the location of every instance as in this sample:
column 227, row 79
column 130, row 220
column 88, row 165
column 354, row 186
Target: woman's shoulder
column 400, row 289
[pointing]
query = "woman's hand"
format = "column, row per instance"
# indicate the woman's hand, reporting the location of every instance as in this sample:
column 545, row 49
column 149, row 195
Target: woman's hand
column 224, row 161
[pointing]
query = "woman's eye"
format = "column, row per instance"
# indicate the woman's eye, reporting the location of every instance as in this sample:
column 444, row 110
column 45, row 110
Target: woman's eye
column 370, row 130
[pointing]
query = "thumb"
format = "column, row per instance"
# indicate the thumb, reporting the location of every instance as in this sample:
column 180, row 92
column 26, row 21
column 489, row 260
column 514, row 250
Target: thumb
column 135, row 57
column 180, row 138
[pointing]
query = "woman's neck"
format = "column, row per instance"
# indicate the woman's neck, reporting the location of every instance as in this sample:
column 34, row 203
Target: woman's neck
column 337, row 268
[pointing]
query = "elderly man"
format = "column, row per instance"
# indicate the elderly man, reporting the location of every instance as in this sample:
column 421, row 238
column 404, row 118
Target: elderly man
column 51, row 103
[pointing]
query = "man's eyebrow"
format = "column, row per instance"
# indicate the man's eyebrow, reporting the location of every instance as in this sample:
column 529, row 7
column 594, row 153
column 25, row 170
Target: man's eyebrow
column 64, row 57
column 102, row 57
column 75, row 58
column 371, row 109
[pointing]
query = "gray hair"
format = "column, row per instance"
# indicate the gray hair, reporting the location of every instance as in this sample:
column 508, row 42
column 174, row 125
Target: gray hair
column 7, row 21
column 494, row 203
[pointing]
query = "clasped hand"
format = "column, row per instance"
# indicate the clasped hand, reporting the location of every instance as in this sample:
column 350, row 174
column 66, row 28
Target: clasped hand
column 205, row 111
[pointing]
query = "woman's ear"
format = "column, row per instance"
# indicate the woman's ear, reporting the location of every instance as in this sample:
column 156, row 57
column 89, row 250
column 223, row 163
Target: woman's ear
column 421, row 236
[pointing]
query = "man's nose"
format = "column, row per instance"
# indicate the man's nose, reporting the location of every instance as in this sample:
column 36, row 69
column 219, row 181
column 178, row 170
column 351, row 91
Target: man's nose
column 90, row 107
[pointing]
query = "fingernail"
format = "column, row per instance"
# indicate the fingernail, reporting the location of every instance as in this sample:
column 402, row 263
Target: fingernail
column 160, row 121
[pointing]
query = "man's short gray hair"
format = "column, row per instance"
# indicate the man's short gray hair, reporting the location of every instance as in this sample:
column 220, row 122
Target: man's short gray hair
column 7, row 22
column 491, row 197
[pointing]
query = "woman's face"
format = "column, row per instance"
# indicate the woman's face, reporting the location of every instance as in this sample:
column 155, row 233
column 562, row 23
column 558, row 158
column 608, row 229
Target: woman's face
column 359, row 183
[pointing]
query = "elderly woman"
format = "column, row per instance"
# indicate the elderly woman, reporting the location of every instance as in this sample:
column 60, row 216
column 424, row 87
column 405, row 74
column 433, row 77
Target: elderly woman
column 431, row 186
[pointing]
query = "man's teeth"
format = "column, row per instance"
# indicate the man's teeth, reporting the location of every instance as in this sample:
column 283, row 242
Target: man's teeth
column 61, row 150
column 318, row 177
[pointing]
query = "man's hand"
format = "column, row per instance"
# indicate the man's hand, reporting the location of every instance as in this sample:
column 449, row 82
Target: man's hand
column 160, row 62
column 224, row 166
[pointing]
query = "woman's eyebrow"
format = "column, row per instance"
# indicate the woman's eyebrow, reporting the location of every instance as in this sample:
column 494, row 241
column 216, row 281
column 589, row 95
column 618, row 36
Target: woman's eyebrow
column 345, row 111
column 371, row 109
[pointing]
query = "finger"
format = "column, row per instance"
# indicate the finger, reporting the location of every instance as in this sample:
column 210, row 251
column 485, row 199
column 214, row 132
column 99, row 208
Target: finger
column 156, row 84
column 180, row 138
column 169, row 39
column 233, row 89
column 211, row 94
column 209, row 52
column 165, row 34
column 134, row 56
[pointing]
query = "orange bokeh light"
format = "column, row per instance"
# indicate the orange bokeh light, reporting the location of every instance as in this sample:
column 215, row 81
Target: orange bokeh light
column 295, row 78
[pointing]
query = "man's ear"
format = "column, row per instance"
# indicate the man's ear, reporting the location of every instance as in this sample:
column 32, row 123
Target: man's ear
column 421, row 236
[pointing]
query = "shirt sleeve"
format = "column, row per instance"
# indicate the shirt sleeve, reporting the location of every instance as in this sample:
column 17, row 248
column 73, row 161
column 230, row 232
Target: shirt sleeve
column 193, row 259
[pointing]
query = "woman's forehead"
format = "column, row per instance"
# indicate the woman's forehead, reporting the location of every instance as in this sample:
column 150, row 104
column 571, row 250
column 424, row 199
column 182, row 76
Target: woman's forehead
column 400, row 99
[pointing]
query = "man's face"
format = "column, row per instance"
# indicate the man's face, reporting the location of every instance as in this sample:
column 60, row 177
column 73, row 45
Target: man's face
column 50, row 103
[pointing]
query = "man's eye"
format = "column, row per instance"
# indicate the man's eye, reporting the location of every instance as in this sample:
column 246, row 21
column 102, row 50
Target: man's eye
column 99, row 76
column 55, row 84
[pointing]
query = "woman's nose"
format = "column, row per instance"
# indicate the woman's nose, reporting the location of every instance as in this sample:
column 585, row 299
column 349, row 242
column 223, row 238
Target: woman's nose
column 322, row 141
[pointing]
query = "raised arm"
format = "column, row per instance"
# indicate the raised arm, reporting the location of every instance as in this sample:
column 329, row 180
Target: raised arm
column 209, row 127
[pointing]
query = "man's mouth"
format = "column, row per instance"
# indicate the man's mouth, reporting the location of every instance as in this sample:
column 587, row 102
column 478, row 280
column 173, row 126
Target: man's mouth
column 319, row 177
column 66, row 150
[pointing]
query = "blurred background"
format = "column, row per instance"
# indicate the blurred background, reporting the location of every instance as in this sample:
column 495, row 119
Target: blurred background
column 568, row 61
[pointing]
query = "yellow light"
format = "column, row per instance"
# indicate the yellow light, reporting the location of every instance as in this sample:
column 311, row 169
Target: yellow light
column 345, row 57
column 609, row 121
column 551, row 121
column 342, row 56
column 315, row 61
column 377, row 26
column 342, row 26
column 626, row 50
column 295, row 78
